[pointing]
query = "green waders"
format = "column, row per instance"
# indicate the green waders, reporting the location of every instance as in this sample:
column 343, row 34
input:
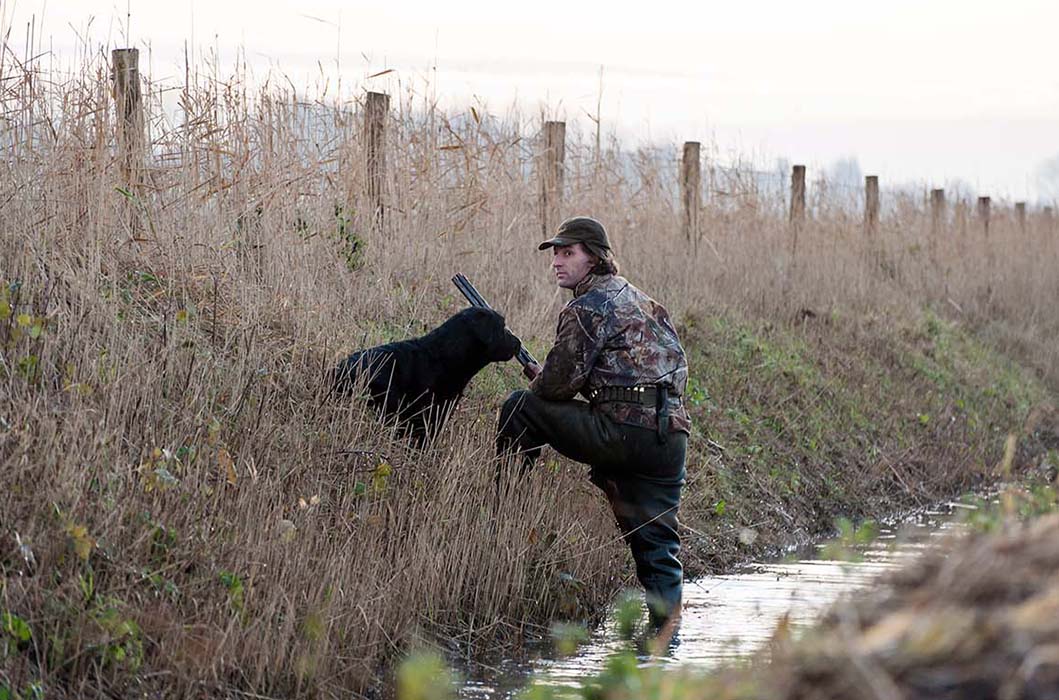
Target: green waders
column 641, row 476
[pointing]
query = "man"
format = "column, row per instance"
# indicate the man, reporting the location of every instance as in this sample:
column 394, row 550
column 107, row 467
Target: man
column 617, row 348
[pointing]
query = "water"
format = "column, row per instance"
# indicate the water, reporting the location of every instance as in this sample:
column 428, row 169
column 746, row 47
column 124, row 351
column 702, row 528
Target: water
column 729, row 617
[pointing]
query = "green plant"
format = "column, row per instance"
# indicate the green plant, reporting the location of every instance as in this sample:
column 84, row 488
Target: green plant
column 15, row 634
column 567, row 636
column 628, row 614
column 425, row 676
column 851, row 540
column 233, row 584
column 353, row 245
column 123, row 643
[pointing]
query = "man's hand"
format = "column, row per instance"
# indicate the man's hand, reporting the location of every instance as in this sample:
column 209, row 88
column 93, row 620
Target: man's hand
column 531, row 370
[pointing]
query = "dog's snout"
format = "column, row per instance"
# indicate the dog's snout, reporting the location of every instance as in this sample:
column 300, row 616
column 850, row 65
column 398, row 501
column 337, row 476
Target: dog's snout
column 511, row 344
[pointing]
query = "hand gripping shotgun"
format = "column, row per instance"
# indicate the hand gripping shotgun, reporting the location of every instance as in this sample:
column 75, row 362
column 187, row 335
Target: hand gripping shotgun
column 467, row 289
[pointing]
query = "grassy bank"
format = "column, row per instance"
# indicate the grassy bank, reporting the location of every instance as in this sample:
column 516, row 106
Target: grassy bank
column 852, row 418
column 183, row 509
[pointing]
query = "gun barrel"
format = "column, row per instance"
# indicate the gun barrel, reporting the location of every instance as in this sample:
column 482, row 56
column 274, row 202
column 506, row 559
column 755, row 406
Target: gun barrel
column 469, row 291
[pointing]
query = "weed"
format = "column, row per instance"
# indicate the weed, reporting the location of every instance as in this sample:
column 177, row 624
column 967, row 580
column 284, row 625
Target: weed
column 425, row 676
column 851, row 540
column 568, row 636
column 233, row 585
column 14, row 633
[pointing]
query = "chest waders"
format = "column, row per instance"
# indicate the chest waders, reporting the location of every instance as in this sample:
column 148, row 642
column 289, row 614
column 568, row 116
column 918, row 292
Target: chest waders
column 641, row 471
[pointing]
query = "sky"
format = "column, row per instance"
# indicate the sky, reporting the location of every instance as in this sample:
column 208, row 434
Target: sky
column 919, row 92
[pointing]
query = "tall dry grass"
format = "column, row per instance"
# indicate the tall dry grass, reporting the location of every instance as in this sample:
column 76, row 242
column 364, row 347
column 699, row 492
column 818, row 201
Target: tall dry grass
column 167, row 450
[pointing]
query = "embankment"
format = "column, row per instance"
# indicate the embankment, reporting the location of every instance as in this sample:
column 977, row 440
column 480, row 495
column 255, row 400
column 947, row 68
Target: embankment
column 180, row 514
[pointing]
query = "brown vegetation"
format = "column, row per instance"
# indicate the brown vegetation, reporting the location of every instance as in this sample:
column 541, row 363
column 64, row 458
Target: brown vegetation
column 182, row 507
column 978, row 618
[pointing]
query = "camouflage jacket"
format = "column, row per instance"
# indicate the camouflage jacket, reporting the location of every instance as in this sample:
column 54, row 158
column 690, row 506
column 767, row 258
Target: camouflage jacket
column 613, row 335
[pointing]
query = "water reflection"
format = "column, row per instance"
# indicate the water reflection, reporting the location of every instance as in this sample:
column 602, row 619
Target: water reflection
column 728, row 617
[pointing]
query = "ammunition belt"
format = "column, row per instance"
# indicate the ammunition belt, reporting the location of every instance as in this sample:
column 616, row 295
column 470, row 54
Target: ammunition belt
column 646, row 395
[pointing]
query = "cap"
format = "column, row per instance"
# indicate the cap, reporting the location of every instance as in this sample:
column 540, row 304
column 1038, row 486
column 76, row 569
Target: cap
column 584, row 230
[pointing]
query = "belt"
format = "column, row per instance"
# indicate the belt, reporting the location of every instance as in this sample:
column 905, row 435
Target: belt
column 646, row 395
column 653, row 395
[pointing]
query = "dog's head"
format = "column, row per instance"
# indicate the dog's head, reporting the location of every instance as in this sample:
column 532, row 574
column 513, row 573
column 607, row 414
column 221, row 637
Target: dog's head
column 488, row 328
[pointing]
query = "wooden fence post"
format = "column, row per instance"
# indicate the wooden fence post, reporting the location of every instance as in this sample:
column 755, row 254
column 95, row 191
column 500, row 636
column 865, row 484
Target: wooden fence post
column 551, row 174
column 871, row 203
column 129, row 123
column 983, row 213
column 1020, row 215
column 376, row 109
column 691, row 189
column 798, row 193
column 937, row 210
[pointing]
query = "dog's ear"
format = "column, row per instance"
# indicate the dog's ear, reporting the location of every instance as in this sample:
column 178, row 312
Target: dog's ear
column 489, row 327
column 474, row 322
column 498, row 341
column 479, row 324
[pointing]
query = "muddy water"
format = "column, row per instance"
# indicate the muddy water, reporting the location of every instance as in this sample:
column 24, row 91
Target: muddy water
column 728, row 617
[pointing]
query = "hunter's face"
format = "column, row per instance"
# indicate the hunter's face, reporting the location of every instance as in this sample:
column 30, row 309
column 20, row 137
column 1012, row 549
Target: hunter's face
column 570, row 264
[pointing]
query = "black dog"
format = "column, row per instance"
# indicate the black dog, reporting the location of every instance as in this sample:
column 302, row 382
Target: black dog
column 419, row 381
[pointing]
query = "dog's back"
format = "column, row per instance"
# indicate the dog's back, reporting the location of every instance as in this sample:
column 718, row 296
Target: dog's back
column 419, row 380
column 376, row 369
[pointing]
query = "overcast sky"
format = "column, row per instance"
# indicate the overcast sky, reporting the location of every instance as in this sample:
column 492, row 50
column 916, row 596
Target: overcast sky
column 921, row 91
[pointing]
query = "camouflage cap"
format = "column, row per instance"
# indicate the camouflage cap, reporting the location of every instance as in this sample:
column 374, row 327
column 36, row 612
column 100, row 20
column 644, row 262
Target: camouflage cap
column 584, row 230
